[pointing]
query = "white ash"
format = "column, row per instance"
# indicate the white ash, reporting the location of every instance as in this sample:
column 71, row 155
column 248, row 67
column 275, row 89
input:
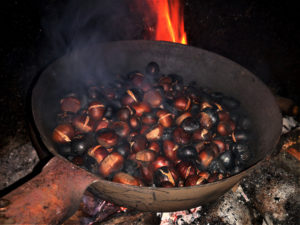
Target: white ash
column 232, row 210
column 273, row 197
column 288, row 124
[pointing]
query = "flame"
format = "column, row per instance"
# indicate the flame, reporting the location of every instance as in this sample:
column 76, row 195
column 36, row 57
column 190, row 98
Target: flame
column 169, row 19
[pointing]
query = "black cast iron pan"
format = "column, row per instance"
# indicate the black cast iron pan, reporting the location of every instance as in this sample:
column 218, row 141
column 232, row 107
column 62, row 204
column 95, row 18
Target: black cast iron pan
column 100, row 62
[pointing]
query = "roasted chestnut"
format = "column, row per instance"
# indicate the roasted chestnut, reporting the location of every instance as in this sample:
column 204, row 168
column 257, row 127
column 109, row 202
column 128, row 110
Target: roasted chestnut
column 123, row 149
column 111, row 163
column 124, row 114
column 121, row 128
column 131, row 167
column 170, row 150
column 186, row 169
column 202, row 134
column 154, row 146
column 107, row 137
column 205, row 157
column 135, row 123
column 196, row 179
column 165, row 174
column 227, row 159
column 145, row 156
column 98, row 153
column 70, row 104
column 159, row 162
column 154, row 133
column 153, row 97
column 96, row 110
column 182, row 103
column 208, row 118
column 125, row 178
column 180, row 136
column 83, row 123
column 182, row 117
column 165, row 118
column 224, row 128
column 190, row 124
column 139, row 143
column 63, row 133
column 81, row 143
column 149, row 119
column 147, row 174
column 141, row 108
column 101, row 124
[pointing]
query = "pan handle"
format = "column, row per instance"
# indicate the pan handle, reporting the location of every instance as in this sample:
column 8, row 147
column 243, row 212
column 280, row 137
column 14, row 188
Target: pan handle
column 49, row 198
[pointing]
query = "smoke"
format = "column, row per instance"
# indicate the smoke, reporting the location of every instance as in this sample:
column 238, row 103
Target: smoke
column 75, row 23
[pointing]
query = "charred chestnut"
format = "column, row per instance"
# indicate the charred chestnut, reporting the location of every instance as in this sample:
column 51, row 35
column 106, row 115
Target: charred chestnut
column 70, row 104
column 208, row 118
column 190, row 124
column 63, row 133
column 107, row 137
column 111, row 163
column 152, row 69
column 81, row 143
column 131, row 167
column 123, row 149
column 227, row 159
column 187, row 153
column 125, row 178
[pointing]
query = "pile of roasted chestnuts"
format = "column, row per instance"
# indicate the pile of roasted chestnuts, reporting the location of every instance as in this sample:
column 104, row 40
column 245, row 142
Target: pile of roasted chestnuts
column 150, row 129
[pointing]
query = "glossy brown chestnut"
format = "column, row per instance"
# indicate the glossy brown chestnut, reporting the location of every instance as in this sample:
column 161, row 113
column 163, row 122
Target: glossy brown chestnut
column 63, row 133
column 181, row 137
column 70, row 104
column 129, row 98
column 220, row 144
column 154, row 146
column 195, row 180
column 98, row 153
column 101, row 124
column 121, row 128
column 135, row 123
column 124, row 114
column 107, row 137
column 96, row 110
column 125, row 178
column 159, row 162
column 147, row 174
column 111, row 163
column 202, row 134
column 141, row 108
column 205, row 157
column 149, row 119
column 165, row 118
column 145, row 156
column 139, row 143
column 153, row 97
column 182, row 117
column 182, row 103
column 154, row 133
column 165, row 175
column 83, row 123
column 185, row 169
column 170, row 150
column 224, row 128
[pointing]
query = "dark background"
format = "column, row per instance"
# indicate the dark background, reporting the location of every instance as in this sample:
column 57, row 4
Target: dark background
column 262, row 36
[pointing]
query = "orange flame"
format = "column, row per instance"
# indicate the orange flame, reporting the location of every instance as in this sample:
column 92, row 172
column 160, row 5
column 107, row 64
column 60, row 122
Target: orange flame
column 169, row 20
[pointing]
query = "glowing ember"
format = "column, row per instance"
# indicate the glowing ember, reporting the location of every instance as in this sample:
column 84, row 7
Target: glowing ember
column 169, row 19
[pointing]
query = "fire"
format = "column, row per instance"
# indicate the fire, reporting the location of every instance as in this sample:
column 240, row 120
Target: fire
column 169, row 20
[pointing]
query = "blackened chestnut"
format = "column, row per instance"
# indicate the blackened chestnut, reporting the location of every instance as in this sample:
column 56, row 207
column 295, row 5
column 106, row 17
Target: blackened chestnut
column 187, row 153
column 168, row 133
column 111, row 163
column 131, row 167
column 125, row 178
column 64, row 149
column 241, row 135
column 81, row 143
column 190, row 124
column 123, row 149
column 98, row 153
column 96, row 110
column 227, row 159
column 230, row 103
column 70, row 104
column 63, row 133
column 216, row 166
column 107, row 137
column 152, row 69
column 208, row 118
column 182, row 117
